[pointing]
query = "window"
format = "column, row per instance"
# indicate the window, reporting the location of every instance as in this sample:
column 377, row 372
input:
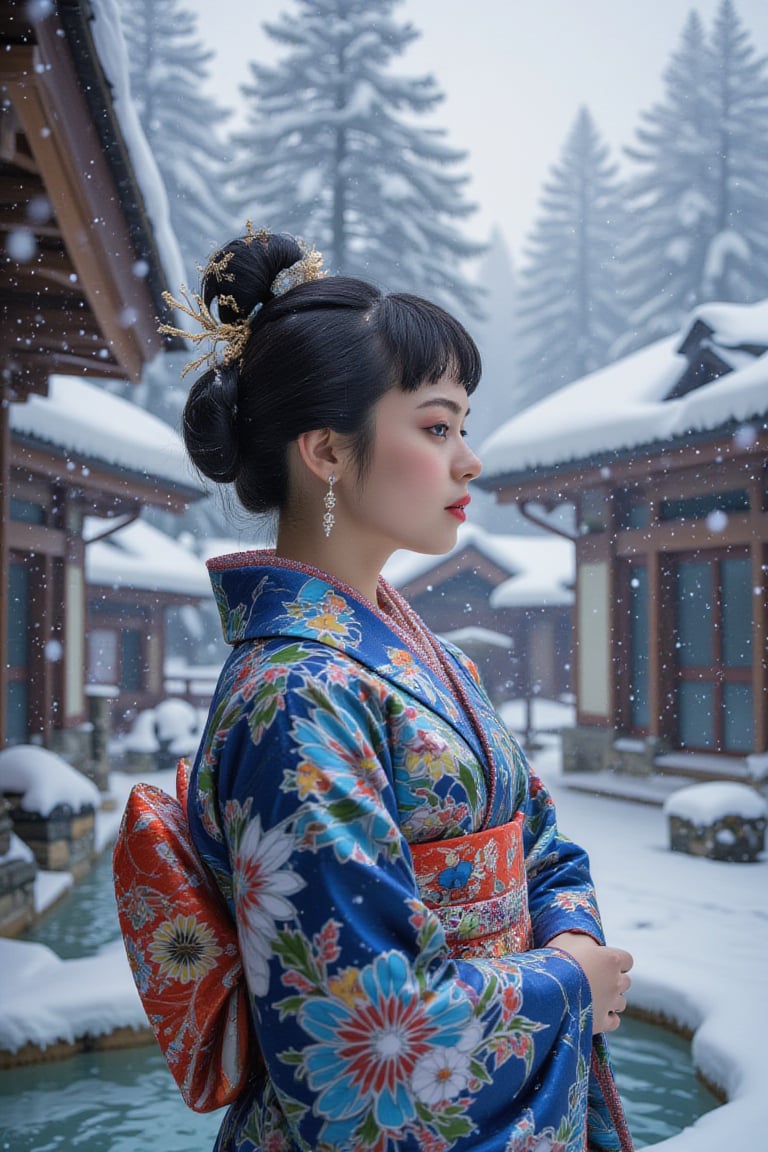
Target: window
column 102, row 656
column 699, row 507
column 131, row 660
column 116, row 656
column 17, row 691
column 713, row 645
column 27, row 511
column 633, row 509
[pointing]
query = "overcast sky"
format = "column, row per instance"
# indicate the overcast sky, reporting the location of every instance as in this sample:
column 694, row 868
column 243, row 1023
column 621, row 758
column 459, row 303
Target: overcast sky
column 514, row 73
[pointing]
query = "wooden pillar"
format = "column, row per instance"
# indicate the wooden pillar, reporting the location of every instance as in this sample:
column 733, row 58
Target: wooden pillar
column 5, row 517
column 760, row 647
column 656, row 646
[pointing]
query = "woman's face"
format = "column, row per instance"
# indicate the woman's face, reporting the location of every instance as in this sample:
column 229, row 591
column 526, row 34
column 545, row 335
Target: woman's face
column 414, row 494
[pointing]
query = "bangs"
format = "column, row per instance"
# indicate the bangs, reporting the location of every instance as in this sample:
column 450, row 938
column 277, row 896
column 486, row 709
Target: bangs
column 425, row 343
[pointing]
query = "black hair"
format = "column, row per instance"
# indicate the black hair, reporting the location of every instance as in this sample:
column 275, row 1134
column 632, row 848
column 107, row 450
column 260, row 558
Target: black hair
column 319, row 355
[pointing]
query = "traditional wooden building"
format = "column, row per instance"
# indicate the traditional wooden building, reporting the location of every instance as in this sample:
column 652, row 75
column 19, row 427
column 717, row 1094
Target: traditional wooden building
column 138, row 578
column 87, row 254
column 657, row 467
column 107, row 459
column 506, row 600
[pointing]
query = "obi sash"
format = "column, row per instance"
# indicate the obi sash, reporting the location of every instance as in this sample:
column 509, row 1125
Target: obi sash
column 199, row 1012
column 197, row 1005
column 476, row 885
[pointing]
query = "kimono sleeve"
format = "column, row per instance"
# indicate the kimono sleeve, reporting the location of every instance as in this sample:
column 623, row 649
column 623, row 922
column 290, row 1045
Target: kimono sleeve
column 561, row 894
column 372, row 1036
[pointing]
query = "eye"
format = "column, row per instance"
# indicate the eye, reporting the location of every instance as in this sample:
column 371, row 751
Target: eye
column 440, row 430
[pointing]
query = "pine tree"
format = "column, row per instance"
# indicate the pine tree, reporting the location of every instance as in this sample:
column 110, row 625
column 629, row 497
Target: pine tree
column 697, row 199
column 572, row 310
column 331, row 151
column 736, row 265
column 183, row 125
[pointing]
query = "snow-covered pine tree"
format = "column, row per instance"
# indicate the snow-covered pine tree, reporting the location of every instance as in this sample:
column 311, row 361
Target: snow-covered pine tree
column 570, row 305
column 696, row 199
column 332, row 151
column 736, row 264
column 183, row 123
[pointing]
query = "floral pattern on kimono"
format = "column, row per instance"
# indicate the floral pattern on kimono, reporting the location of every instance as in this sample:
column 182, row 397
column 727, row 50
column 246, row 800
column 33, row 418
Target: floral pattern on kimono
column 330, row 754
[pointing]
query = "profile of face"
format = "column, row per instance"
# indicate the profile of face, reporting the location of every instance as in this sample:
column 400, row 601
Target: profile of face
column 415, row 491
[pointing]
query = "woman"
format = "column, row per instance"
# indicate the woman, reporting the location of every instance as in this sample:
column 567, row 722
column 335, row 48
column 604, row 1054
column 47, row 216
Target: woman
column 423, row 953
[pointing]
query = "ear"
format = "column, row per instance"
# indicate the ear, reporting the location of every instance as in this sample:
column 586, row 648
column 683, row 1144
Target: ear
column 320, row 452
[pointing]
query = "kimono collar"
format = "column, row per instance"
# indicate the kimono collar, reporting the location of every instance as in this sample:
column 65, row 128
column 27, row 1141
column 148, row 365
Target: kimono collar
column 260, row 596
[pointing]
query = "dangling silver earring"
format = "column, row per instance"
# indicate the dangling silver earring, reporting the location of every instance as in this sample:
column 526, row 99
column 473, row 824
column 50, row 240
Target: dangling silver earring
column 329, row 501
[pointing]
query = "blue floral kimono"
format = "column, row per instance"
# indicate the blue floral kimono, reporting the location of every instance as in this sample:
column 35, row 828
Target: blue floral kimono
column 331, row 756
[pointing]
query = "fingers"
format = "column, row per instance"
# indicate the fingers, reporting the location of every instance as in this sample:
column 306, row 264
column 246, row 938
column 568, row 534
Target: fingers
column 618, row 1001
column 626, row 959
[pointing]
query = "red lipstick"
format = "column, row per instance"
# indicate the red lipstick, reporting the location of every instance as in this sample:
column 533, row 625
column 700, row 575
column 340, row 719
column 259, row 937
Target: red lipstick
column 459, row 508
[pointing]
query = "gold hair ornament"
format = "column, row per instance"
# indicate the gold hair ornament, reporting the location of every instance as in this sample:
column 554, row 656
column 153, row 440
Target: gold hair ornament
column 309, row 267
column 235, row 334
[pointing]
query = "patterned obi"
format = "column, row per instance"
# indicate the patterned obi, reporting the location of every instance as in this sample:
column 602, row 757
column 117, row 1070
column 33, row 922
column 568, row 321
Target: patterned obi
column 199, row 1011
column 477, row 886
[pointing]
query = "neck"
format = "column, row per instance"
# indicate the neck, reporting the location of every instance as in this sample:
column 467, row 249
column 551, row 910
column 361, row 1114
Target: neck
column 333, row 555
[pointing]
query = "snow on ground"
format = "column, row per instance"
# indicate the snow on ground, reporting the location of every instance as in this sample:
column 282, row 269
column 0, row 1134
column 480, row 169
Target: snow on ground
column 698, row 930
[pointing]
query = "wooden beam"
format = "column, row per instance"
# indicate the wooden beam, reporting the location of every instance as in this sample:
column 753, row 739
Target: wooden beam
column 759, row 554
column 24, row 537
column 104, row 489
column 42, row 363
column 56, row 122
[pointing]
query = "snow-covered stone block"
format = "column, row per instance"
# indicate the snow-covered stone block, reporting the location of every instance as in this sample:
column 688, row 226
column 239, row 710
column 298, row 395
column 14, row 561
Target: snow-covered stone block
column 719, row 820
column 6, row 826
column 17, row 883
column 62, row 841
column 53, row 807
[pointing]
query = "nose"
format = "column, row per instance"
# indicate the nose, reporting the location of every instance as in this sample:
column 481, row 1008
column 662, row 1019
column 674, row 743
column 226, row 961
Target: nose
column 468, row 465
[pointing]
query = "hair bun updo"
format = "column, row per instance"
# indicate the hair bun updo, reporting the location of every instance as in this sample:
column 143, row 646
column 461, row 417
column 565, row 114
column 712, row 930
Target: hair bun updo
column 236, row 282
column 243, row 275
column 210, row 424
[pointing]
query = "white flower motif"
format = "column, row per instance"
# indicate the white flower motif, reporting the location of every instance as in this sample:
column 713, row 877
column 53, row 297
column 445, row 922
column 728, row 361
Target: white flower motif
column 261, row 887
column 440, row 1075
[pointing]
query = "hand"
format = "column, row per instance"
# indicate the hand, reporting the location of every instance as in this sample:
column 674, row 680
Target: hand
column 606, row 969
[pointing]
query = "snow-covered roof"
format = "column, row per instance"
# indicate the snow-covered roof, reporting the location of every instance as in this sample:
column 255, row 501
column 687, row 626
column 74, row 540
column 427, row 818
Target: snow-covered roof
column 141, row 556
column 473, row 636
column 106, row 28
column 546, row 582
column 735, row 324
column 624, row 405
column 91, row 424
column 541, row 568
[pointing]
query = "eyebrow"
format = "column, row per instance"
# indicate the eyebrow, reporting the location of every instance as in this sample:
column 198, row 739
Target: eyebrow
column 443, row 402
